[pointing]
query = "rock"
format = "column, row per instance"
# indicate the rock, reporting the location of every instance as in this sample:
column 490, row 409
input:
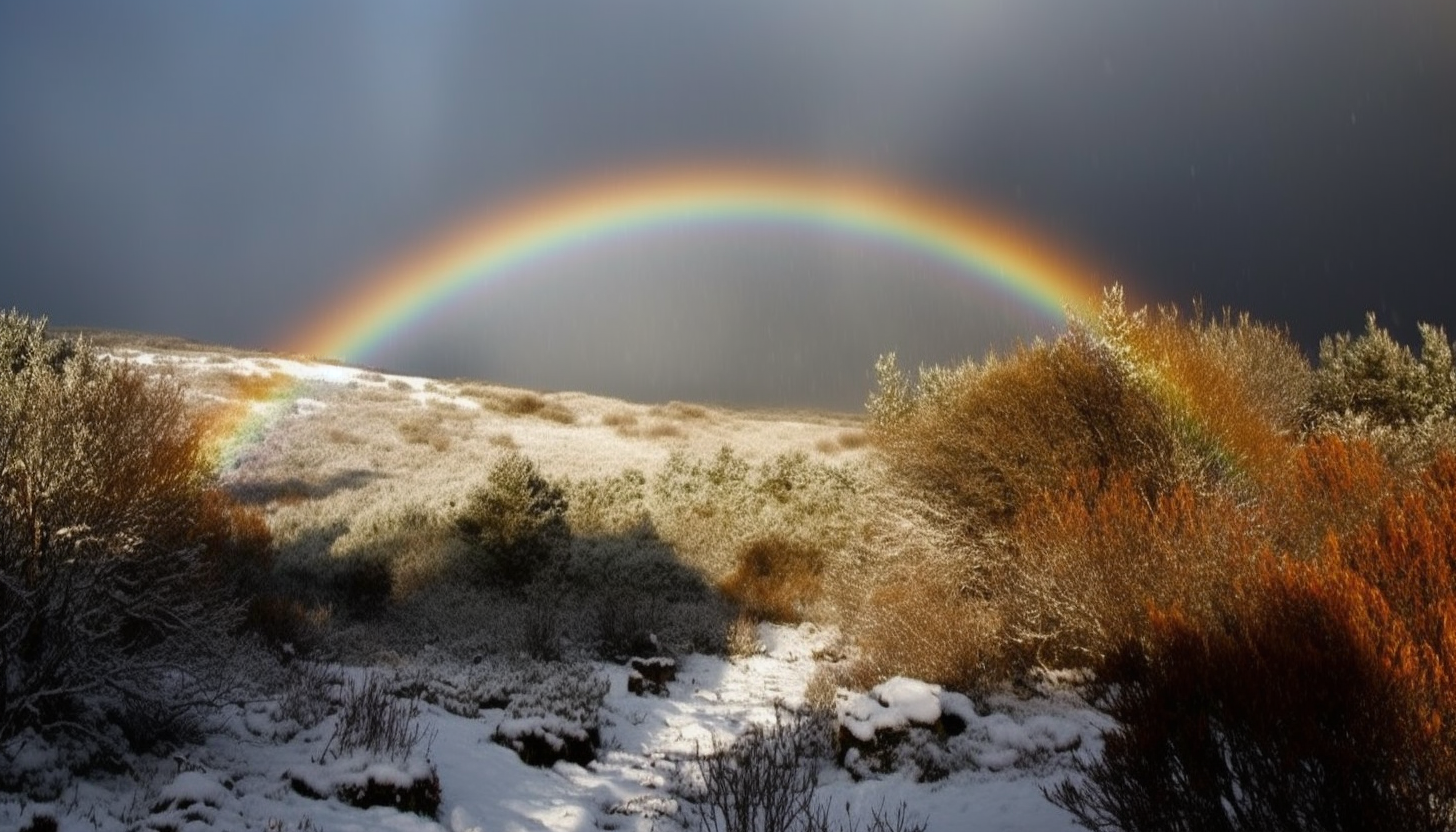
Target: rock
column 658, row 670
column 546, row 741
column 417, row 792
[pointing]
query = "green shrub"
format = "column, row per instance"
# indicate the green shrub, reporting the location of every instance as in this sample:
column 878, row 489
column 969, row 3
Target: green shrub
column 515, row 523
column 1376, row 376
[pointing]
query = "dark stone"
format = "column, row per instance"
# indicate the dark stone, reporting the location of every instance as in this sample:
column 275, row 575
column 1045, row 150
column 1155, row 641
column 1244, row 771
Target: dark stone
column 659, row 670
column 420, row 797
column 641, row 686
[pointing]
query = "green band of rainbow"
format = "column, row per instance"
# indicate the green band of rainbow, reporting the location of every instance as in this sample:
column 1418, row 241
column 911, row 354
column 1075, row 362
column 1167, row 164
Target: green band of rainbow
column 501, row 243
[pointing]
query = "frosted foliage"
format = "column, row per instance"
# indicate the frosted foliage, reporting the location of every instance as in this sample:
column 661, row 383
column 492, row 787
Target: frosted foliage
column 105, row 614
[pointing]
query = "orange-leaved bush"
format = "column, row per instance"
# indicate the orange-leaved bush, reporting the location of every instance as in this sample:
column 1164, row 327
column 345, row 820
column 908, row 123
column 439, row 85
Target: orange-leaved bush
column 1094, row 557
column 1322, row 697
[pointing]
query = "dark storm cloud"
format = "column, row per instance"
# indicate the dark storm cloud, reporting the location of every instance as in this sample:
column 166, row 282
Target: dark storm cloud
column 221, row 170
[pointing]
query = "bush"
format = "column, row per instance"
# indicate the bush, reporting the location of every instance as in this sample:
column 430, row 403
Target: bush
column 514, row 523
column 1376, row 376
column 981, row 441
column 120, row 564
column 710, row 509
column 1094, row 557
column 1235, row 390
column 777, row 579
column 1323, row 698
column 765, row 781
column 373, row 720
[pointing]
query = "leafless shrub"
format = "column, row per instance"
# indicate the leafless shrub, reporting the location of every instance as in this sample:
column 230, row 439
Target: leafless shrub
column 372, row 720
column 764, row 781
column 306, row 695
column 880, row 820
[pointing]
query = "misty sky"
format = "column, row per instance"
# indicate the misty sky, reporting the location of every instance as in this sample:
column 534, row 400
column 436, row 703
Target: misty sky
column 221, row 171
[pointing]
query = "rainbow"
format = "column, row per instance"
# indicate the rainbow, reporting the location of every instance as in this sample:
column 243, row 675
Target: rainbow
column 500, row 243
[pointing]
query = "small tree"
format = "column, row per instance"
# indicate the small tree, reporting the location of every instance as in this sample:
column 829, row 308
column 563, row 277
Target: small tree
column 514, row 523
column 1376, row 376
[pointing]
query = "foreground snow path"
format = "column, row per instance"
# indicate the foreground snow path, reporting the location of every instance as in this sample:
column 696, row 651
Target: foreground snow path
column 487, row 789
column 236, row 781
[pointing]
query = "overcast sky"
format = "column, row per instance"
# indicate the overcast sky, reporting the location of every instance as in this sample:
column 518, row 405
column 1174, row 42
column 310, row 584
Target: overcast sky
column 223, row 170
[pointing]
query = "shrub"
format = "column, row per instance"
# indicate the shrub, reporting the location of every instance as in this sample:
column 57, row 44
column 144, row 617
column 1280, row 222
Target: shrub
column 917, row 620
column 514, row 523
column 425, row 428
column 115, row 552
column 1335, row 486
column 1235, row 391
column 777, row 579
column 1092, row 558
column 1377, row 376
column 363, row 584
column 1323, row 698
column 764, row 781
column 709, row 509
column 965, row 441
column 372, row 720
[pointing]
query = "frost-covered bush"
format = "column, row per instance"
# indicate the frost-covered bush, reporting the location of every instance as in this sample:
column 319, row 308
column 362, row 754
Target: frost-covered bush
column 515, row 522
column 1041, row 501
column 554, row 714
column 709, row 509
column 119, row 563
column 1376, row 376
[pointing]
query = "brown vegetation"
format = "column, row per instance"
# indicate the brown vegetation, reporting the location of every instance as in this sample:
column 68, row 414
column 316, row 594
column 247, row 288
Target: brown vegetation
column 777, row 578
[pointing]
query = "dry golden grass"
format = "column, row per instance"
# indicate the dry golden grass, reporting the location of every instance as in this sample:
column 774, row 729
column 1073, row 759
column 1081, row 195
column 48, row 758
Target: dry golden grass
column 851, row 439
column 621, row 419
column 425, row 428
column 680, row 411
column 344, row 436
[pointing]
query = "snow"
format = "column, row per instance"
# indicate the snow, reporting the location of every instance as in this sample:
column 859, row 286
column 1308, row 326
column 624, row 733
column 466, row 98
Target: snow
column 194, row 787
column 893, row 705
column 1011, row 748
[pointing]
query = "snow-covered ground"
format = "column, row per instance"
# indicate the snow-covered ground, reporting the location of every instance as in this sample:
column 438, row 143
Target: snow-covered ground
column 239, row 779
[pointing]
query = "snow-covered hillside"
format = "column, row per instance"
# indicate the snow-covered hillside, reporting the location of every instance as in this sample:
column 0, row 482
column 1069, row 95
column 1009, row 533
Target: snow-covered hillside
column 322, row 446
